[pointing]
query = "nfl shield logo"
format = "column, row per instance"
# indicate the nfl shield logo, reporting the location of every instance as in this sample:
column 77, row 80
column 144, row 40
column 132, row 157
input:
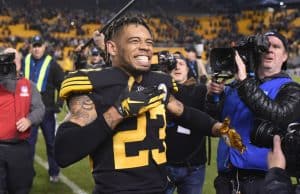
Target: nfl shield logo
column 24, row 91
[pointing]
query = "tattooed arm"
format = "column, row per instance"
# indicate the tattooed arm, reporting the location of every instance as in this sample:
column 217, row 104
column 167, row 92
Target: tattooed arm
column 83, row 112
column 83, row 130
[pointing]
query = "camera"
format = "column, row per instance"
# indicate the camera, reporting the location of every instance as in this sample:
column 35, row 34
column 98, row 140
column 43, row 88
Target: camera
column 262, row 136
column 222, row 60
column 166, row 61
column 7, row 66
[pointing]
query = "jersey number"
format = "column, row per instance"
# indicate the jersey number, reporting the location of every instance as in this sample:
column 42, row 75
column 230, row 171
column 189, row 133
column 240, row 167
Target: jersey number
column 137, row 135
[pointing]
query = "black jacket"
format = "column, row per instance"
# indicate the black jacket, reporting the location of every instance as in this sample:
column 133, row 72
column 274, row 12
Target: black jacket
column 284, row 109
column 56, row 76
column 191, row 150
column 278, row 182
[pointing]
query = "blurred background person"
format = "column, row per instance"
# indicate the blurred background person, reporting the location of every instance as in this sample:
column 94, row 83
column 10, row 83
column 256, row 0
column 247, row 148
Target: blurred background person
column 186, row 162
column 21, row 107
column 196, row 66
column 97, row 58
column 40, row 68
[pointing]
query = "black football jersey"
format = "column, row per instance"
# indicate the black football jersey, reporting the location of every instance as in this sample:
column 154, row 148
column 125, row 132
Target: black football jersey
column 132, row 161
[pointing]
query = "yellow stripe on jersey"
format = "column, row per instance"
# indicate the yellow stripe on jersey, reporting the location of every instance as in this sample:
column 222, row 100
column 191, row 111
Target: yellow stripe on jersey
column 130, row 82
column 76, row 78
column 73, row 89
column 175, row 87
column 77, row 84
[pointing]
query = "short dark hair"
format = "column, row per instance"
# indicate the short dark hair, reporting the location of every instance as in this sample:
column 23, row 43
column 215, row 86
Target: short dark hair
column 118, row 25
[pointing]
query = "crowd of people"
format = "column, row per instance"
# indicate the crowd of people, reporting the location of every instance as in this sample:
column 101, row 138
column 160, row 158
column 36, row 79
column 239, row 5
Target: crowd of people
column 171, row 31
column 130, row 119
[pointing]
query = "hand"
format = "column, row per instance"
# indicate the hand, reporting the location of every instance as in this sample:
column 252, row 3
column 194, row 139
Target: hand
column 215, row 87
column 99, row 39
column 132, row 103
column 231, row 137
column 276, row 157
column 242, row 73
column 23, row 124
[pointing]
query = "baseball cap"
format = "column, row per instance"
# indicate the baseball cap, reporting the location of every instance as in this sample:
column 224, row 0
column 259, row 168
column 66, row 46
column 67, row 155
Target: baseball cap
column 190, row 49
column 95, row 51
column 280, row 37
column 37, row 40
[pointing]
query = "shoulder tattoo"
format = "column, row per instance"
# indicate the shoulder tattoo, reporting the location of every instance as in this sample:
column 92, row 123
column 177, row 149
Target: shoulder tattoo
column 82, row 110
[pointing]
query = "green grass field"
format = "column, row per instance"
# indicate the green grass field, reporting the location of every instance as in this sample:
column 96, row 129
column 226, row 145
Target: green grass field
column 80, row 174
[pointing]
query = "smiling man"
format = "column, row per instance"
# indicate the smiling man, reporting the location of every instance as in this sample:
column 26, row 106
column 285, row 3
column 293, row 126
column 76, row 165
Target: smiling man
column 118, row 115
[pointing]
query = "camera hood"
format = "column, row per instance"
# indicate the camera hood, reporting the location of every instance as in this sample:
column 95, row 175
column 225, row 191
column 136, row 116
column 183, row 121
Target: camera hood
column 222, row 62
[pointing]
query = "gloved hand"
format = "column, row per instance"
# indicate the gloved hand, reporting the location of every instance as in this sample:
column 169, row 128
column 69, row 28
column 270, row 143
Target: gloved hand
column 132, row 103
column 231, row 137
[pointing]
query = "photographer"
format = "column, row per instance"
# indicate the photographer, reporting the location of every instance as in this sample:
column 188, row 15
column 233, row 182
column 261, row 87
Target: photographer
column 270, row 95
column 21, row 107
column 277, row 180
column 186, row 167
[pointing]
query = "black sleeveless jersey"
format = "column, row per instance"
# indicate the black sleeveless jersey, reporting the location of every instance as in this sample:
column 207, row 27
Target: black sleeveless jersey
column 132, row 161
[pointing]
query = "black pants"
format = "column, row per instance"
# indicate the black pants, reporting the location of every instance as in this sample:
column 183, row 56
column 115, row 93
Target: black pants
column 244, row 181
column 16, row 168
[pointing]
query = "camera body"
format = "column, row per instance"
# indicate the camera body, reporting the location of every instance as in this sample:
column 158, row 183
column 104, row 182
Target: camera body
column 262, row 136
column 7, row 66
column 222, row 60
column 166, row 61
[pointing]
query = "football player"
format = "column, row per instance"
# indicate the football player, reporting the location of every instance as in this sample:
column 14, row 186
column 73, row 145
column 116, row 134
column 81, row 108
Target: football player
column 118, row 115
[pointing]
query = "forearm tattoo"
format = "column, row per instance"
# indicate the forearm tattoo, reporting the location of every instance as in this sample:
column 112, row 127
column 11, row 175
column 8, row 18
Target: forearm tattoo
column 82, row 110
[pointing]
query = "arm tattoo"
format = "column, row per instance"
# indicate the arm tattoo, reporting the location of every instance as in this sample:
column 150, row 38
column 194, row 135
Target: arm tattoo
column 82, row 110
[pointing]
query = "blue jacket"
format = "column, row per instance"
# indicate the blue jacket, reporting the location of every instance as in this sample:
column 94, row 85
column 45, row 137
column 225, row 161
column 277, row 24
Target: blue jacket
column 242, row 119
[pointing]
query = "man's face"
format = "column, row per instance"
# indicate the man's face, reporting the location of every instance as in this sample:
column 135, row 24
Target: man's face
column 273, row 60
column 191, row 56
column 132, row 49
column 180, row 73
column 38, row 50
column 96, row 59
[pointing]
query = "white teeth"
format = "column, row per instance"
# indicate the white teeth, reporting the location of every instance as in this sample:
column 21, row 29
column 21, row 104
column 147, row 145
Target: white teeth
column 142, row 58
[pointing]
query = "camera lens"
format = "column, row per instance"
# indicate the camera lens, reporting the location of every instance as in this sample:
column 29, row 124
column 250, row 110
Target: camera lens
column 262, row 136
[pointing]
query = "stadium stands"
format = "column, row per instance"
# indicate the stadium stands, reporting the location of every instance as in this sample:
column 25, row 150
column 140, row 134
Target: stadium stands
column 66, row 28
